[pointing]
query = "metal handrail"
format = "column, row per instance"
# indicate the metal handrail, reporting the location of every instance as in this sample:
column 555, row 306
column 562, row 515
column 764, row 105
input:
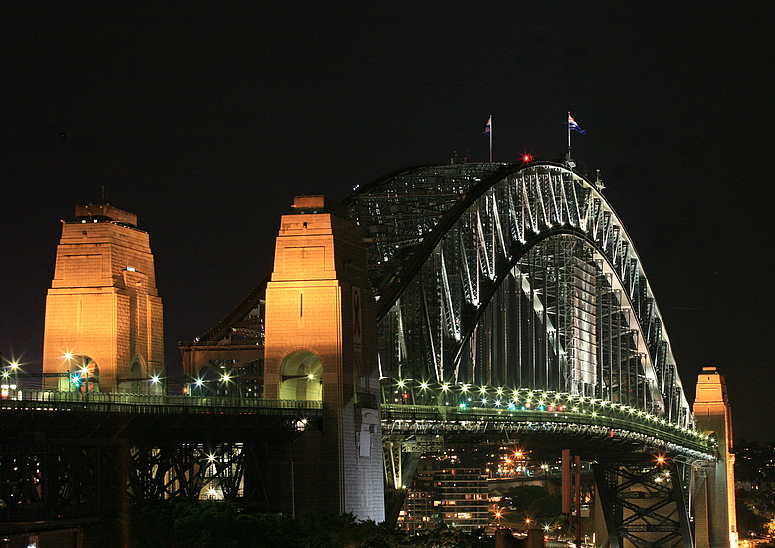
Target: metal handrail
column 136, row 402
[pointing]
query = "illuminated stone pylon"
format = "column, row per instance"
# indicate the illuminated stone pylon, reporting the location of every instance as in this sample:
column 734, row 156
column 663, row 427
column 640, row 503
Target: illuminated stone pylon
column 103, row 313
column 321, row 344
column 715, row 517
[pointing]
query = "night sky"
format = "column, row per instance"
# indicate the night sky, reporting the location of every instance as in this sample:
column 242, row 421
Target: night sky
column 206, row 123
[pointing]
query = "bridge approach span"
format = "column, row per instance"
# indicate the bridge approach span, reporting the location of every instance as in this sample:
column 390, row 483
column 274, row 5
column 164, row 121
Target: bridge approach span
column 133, row 417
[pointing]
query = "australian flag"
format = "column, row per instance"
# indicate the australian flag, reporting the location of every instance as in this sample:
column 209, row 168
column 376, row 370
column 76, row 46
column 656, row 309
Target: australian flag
column 488, row 126
column 574, row 126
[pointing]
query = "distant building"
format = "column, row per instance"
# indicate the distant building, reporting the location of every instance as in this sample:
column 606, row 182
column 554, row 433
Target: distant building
column 456, row 497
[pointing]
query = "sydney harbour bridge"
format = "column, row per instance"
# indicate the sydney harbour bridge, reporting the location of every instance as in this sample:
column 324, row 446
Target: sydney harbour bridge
column 503, row 302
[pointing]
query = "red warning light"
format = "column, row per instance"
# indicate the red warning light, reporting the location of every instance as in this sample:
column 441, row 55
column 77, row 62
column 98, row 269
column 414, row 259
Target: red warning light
column 527, row 158
column 405, row 396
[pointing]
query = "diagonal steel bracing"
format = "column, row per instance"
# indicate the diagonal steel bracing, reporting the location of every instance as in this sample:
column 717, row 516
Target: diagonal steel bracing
column 643, row 503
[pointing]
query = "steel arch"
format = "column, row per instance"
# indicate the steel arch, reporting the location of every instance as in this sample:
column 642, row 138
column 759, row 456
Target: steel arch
column 518, row 275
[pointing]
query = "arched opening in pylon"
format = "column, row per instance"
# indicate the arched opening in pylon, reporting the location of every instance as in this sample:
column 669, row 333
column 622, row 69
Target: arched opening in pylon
column 83, row 374
column 134, row 384
column 302, row 377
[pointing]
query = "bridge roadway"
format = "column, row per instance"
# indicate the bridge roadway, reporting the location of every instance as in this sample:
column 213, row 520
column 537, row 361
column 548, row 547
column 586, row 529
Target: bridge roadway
column 186, row 444
column 98, row 415
column 468, row 412
column 90, row 415
column 600, row 433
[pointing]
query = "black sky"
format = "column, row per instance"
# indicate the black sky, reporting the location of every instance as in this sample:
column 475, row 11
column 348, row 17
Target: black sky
column 206, row 123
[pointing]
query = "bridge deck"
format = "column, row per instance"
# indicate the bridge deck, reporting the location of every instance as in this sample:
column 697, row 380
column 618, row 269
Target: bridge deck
column 39, row 415
column 615, row 429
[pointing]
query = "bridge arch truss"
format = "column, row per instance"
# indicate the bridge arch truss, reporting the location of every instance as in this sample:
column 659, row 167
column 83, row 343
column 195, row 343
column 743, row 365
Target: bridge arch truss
column 519, row 276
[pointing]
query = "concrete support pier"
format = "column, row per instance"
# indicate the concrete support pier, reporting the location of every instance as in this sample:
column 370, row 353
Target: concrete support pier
column 715, row 517
column 321, row 344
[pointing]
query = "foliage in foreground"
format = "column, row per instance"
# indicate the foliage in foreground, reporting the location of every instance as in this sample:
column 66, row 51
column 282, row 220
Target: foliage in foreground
column 207, row 524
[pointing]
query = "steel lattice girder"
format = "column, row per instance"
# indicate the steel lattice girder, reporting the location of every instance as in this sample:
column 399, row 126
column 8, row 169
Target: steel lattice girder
column 44, row 481
column 644, row 503
column 521, row 276
column 86, row 478
column 164, row 471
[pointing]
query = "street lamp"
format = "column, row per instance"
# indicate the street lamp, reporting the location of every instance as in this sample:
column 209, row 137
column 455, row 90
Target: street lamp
column 9, row 379
column 156, row 371
column 198, row 384
column 14, row 371
column 72, row 380
column 227, row 379
column 85, row 374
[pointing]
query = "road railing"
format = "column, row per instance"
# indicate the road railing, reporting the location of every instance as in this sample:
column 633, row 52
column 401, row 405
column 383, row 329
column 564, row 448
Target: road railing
column 49, row 400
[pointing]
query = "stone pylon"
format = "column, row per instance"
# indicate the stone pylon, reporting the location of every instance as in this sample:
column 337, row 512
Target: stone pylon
column 321, row 344
column 104, row 325
column 715, row 517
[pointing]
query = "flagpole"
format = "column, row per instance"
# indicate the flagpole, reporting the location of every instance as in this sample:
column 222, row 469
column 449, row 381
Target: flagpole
column 574, row 127
column 490, row 138
column 568, row 159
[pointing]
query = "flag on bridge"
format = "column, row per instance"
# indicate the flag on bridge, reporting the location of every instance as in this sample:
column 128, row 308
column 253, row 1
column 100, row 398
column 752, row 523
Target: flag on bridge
column 488, row 132
column 572, row 125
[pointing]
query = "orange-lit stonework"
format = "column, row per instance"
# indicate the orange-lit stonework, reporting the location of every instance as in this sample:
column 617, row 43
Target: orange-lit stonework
column 321, row 344
column 715, row 503
column 103, row 313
